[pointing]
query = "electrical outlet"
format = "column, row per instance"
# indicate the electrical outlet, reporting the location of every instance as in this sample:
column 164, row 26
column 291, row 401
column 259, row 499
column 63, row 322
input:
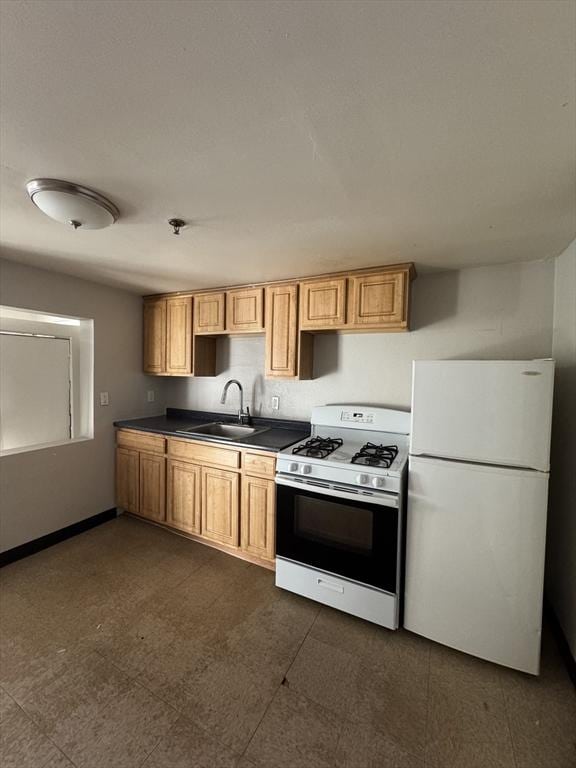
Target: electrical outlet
column 150, row 396
column 275, row 403
column 104, row 399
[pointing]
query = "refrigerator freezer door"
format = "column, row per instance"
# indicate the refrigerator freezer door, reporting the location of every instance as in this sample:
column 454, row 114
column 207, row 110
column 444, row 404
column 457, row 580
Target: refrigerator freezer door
column 495, row 412
column 475, row 559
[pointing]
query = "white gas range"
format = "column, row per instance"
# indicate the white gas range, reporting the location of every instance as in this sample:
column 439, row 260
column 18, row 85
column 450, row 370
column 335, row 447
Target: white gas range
column 340, row 511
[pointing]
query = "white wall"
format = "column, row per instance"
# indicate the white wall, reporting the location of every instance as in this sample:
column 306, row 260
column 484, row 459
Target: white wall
column 561, row 556
column 42, row 491
column 486, row 312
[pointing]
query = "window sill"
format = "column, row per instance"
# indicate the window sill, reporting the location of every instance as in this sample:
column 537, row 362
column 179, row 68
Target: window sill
column 43, row 446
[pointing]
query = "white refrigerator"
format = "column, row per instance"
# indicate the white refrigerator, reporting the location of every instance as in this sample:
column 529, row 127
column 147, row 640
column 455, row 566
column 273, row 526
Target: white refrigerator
column 477, row 503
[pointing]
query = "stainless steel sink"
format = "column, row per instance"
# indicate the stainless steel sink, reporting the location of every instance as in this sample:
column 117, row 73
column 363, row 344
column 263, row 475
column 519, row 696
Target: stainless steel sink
column 224, row 431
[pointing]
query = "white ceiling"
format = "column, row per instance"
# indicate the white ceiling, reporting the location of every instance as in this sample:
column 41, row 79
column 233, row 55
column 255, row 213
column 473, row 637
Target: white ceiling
column 297, row 137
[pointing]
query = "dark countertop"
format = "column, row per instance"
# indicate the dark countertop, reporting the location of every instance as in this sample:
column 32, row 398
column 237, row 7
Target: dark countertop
column 280, row 434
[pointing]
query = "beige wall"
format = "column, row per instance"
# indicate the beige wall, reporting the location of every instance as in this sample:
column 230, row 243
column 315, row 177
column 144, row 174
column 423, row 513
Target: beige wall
column 42, row 491
column 487, row 312
column 561, row 555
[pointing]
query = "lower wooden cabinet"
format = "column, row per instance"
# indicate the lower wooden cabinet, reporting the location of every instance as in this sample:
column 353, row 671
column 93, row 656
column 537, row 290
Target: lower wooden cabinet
column 127, row 479
column 232, row 507
column 183, row 509
column 220, row 506
column 152, row 470
column 258, row 516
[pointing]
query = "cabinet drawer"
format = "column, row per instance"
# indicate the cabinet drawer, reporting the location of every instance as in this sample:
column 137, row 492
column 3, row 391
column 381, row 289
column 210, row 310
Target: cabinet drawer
column 140, row 441
column 370, row 604
column 256, row 464
column 202, row 453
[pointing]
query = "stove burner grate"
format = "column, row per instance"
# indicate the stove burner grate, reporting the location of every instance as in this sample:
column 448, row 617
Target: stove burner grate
column 318, row 447
column 376, row 455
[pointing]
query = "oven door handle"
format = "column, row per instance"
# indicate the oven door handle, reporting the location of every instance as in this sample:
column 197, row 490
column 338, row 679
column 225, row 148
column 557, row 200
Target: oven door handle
column 380, row 499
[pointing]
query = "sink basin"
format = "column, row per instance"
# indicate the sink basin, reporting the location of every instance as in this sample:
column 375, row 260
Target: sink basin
column 225, row 431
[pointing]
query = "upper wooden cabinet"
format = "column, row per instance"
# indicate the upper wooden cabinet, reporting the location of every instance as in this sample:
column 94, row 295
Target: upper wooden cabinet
column 179, row 335
column 282, row 330
column 180, row 332
column 323, row 304
column 170, row 348
column 155, row 336
column 209, row 313
column 379, row 301
column 245, row 311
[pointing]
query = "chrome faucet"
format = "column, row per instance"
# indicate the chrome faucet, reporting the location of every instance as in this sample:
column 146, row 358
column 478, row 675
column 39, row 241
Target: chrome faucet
column 243, row 413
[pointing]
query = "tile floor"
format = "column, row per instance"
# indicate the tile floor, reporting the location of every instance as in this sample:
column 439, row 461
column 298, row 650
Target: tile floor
column 129, row 646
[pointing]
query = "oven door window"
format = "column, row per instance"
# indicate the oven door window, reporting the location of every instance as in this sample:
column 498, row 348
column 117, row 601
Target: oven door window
column 349, row 538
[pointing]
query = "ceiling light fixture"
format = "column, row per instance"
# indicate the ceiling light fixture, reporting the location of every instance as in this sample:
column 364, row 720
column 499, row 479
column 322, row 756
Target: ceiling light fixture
column 72, row 204
column 177, row 225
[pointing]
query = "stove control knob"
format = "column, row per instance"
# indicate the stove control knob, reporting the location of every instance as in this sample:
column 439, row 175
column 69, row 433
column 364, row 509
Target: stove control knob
column 362, row 479
column 378, row 482
column 305, row 469
column 293, row 467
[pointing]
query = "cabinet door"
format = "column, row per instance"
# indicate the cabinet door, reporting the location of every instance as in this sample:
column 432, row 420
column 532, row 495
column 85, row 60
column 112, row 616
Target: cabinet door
column 183, row 496
column 127, row 479
column 209, row 314
column 323, row 304
column 220, row 506
column 245, row 310
column 258, row 516
column 379, row 300
column 155, row 336
column 179, row 335
column 281, row 330
column 152, row 486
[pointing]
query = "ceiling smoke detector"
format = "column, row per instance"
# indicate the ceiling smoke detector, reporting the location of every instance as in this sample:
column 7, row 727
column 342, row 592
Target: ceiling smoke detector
column 72, row 204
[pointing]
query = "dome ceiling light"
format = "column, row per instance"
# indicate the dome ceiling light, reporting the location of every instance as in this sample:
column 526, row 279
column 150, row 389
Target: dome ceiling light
column 72, row 204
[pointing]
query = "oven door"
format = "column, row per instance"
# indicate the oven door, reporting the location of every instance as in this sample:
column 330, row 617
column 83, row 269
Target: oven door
column 341, row 531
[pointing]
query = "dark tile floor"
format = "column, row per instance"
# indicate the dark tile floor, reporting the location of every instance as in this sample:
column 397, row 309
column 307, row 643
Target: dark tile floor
column 129, row 646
